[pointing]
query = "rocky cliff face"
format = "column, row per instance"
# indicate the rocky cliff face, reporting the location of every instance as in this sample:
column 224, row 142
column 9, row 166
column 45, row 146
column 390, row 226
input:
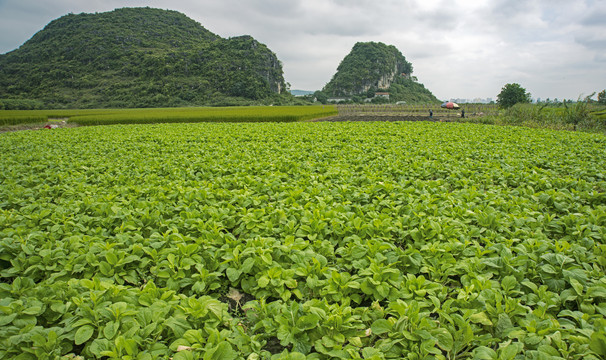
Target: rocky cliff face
column 384, row 81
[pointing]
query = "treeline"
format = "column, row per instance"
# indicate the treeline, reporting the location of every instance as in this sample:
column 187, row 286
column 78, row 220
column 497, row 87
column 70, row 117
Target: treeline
column 20, row 104
column 401, row 90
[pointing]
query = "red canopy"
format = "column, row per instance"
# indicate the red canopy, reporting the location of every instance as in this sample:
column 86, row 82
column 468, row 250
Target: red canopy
column 450, row 105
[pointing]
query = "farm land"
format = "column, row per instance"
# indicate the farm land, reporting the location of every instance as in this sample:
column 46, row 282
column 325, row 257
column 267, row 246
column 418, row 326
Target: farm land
column 88, row 117
column 302, row 240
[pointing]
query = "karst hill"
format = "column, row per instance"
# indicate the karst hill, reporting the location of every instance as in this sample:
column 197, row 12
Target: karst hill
column 137, row 57
column 376, row 67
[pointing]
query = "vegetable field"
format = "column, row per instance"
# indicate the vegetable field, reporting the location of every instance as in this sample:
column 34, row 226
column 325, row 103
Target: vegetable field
column 302, row 241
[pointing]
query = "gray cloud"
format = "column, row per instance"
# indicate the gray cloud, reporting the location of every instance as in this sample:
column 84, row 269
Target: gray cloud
column 595, row 19
column 459, row 48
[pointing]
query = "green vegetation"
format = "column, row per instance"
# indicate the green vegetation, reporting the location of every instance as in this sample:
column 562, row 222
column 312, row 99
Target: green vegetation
column 171, row 115
column 512, row 94
column 411, row 92
column 364, row 66
column 21, row 119
column 374, row 66
column 581, row 115
column 231, row 114
column 137, row 57
column 20, row 104
column 303, row 241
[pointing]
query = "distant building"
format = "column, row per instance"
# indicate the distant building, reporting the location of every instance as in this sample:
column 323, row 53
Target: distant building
column 471, row 101
column 382, row 94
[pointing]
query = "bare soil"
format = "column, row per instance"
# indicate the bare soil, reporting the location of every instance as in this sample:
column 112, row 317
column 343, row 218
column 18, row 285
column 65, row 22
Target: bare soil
column 377, row 117
column 60, row 123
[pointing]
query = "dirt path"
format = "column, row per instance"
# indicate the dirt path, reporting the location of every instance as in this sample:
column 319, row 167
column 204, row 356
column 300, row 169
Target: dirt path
column 374, row 117
column 54, row 123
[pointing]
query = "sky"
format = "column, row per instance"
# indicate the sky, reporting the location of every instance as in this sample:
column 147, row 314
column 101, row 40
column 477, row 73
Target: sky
column 458, row 48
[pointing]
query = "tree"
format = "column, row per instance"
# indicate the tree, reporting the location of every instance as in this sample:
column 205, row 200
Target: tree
column 321, row 97
column 512, row 94
column 602, row 97
column 370, row 93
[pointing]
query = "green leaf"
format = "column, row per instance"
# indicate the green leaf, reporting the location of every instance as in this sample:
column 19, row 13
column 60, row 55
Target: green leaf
column 285, row 295
column 532, row 286
column 355, row 341
column 266, row 257
column 309, row 321
column 291, row 283
column 549, row 269
column 233, row 274
column 215, row 307
column 111, row 329
column 504, row 325
column 597, row 292
column 178, row 324
column 428, row 346
column 366, row 287
column 509, row 283
column 52, row 337
column 443, row 338
column 83, row 334
column 247, row 265
column 263, row 281
column 383, row 290
column 5, row 320
column 480, row 318
column 597, row 343
column 548, row 350
column 184, row 355
column 98, row 346
column 577, row 286
column 510, row 351
column 105, row 268
column 223, row 351
column 380, row 326
column 111, row 258
column 484, row 353
column 369, row 352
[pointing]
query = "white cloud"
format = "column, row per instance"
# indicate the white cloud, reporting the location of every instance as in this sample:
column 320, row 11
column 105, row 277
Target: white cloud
column 458, row 48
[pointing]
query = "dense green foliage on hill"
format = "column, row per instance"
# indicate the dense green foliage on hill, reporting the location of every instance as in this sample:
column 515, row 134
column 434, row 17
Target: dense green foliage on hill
column 410, row 91
column 138, row 57
column 372, row 66
column 365, row 66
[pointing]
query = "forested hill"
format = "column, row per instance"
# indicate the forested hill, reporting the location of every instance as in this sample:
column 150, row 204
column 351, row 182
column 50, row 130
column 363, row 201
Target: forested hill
column 138, row 57
column 375, row 66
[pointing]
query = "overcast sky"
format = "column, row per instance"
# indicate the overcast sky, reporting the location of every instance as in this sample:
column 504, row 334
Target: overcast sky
column 458, row 48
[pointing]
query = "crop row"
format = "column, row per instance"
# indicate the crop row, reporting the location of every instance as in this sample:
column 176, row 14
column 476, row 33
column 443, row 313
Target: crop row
column 417, row 109
column 171, row 115
column 21, row 119
column 303, row 241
